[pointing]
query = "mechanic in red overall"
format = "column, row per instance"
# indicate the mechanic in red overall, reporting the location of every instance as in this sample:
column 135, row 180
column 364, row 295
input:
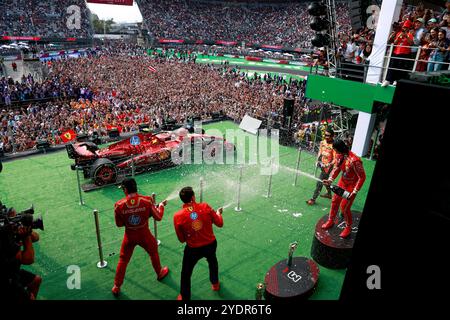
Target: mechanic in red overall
column 352, row 179
column 133, row 212
column 194, row 225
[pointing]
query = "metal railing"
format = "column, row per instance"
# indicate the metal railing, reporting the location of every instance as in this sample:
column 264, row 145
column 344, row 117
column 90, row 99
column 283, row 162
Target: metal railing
column 359, row 71
column 345, row 70
column 414, row 61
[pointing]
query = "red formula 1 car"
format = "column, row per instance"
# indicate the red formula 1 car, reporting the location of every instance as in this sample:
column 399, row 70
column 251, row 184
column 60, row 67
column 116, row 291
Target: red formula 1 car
column 142, row 151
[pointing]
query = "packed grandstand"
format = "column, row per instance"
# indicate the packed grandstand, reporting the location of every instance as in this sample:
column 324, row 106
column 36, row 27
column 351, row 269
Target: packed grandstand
column 118, row 105
column 91, row 93
column 44, row 19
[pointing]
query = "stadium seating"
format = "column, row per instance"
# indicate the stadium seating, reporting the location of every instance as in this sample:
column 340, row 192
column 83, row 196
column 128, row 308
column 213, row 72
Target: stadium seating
column 43, row 18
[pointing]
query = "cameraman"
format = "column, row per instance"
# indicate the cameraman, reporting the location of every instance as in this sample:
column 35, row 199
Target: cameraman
column 17, row 250
column 30, row 281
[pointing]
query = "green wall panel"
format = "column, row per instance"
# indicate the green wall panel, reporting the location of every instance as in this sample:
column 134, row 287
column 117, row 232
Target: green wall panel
column 349, row 94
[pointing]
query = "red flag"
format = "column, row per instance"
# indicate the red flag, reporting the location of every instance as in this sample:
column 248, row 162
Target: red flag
column 67, row 136
column 151, row 69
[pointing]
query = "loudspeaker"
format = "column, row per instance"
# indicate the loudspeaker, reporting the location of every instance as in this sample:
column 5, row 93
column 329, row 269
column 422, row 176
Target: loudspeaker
column 358, row 14
column 288, row 111
column 285, row 137
column 42, row 144
column 351, row 71
column 82, row 137
column 215, row 115
column 169, row 124
column 113, row 133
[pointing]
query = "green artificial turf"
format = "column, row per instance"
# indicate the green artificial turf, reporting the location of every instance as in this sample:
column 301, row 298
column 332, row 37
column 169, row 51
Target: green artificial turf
column 250, row 242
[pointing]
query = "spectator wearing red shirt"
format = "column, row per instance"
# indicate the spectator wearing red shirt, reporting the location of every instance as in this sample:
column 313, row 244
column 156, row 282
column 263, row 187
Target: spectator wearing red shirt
column 133, row 212
column 194, row 225
column 402, row 40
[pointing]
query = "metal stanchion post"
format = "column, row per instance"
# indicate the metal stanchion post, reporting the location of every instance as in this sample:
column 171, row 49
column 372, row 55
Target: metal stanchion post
column 269, row 190
column 79, row 186
column 416, row 59
column 388, row 62
column 102, row 263
column 132, row 166
column 317, row 131
column 297, row 167
column 238, row 207
column 155, row 226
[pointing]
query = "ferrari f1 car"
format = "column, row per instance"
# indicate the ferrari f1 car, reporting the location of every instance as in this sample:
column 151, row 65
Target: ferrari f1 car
column 140, row 153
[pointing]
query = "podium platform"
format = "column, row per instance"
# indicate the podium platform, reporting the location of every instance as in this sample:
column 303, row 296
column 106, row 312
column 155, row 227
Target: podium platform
column 297, row 282
column 328, row 248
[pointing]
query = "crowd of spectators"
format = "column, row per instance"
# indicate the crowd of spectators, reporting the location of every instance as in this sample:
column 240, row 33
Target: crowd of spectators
column 43, row 18
column 421, row 29
column 417, row 29
column 117, row 89
column 29, row 89
column 284, row 24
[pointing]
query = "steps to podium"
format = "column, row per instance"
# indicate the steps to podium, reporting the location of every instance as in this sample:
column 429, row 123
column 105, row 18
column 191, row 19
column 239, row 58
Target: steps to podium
column 297, row 282
column 328, row 248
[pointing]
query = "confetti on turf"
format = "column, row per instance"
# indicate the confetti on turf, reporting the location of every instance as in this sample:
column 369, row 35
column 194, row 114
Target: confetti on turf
column 297, row 214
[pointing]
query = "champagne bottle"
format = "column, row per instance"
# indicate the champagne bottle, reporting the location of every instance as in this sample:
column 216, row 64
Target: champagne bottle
column 292, row 248
column 340, row 191
column 259, row 291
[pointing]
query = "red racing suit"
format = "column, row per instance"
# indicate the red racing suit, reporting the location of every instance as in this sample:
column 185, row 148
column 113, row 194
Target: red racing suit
column 352, row 179
column 133, row 212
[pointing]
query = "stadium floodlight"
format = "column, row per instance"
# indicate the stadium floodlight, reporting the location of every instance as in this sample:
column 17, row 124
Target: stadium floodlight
column 317, row 9
column 319, row 24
